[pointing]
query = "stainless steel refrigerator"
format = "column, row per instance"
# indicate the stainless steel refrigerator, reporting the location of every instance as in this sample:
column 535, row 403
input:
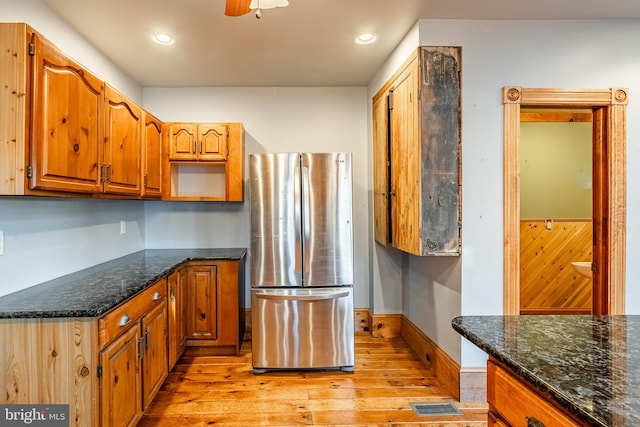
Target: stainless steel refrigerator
column 301, row 261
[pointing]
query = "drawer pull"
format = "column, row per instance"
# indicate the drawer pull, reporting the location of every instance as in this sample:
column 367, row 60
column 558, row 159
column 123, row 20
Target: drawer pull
column 156, row 296
column 534, row 422
column 124, row 320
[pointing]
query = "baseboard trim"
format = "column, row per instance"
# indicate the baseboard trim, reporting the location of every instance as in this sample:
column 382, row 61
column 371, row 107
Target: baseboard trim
column 386, row 325
column 362, row 318
column 435, row 359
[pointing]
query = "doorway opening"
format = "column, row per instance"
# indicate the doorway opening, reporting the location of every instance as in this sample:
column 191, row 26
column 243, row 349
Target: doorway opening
column 608, row 108
column 555, row 210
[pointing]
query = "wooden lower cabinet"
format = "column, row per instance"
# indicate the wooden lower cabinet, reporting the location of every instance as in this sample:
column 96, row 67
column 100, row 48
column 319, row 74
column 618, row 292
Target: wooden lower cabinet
column 109, row 369
column 121, row 389
column 177, row 324
column 214, row 294
column 202, row 302
column 133, row 365
column 154, row 362
column 513, row 402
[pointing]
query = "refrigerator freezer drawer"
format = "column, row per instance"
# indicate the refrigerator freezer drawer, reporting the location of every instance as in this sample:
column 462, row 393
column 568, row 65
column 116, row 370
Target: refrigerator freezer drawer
column 305, row 328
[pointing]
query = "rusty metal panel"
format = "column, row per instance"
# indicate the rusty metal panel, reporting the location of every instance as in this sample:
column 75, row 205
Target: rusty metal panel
column 440, row 124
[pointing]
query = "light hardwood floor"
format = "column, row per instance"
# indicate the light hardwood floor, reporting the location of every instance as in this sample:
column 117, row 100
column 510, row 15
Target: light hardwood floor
column 223, row 391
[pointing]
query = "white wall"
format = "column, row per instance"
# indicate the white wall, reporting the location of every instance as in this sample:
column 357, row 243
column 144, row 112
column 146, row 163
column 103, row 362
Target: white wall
column 46, row 238
column 275, row 119
column 563, row 54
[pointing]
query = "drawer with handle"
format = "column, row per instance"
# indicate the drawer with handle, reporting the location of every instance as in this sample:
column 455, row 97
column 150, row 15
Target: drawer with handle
column 518, row 404
column 120, row 318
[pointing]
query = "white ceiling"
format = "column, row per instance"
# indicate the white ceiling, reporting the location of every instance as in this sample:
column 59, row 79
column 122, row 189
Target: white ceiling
column 309, row 43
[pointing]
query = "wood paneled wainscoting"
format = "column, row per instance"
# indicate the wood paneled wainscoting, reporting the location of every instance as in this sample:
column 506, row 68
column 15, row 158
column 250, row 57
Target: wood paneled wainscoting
column 548, row 282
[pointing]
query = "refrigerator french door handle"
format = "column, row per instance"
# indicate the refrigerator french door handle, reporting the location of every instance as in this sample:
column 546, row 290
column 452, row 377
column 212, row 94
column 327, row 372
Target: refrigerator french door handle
column 306, row 215
column 298, row 214
column 303, row 297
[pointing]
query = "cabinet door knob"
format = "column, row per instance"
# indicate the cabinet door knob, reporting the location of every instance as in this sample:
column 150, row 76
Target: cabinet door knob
column 156, row 296
column 202, row 315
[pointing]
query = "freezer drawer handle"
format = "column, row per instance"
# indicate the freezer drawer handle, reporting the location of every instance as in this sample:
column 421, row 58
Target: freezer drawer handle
column 303, row 297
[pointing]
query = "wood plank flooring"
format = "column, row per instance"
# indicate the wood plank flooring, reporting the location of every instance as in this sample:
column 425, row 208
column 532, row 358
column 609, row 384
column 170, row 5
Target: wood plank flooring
column 223, row 391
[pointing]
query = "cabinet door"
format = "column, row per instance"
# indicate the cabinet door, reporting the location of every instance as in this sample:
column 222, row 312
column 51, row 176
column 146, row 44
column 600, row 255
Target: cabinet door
column 202, row 302
column 67, row 129
column 182, row 141
column 405, row 165
column 151, row 156
column 381, row 169
column 154, row 361
column 177, row 315
column 121, row 388
column 122, row 144
column 212, row 142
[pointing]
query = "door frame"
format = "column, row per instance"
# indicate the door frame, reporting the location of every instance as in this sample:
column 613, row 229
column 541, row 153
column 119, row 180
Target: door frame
column 609, row 287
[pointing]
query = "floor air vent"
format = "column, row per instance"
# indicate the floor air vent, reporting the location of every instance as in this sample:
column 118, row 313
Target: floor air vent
column 439, row 409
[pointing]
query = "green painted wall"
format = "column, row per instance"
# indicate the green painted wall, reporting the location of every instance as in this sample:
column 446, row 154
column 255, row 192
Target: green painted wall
column 555, row 170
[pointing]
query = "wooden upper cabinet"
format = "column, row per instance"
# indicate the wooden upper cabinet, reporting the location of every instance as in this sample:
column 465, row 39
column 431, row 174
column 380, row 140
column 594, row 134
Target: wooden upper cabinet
column 85, row 136
column 182, row 141
column 66, row 128
column 65, row 132
column 198, row 141
column 122, row 145
column 151, row 156
column 213, row 142
column 416, row 137
column 205, row 162
column 381, row 167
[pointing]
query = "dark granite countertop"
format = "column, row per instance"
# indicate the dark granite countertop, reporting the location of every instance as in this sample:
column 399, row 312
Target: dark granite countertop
column 588, row 364
column 94, row 291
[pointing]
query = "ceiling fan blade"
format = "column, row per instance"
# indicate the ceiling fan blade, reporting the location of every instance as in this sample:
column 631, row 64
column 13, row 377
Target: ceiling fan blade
column 237, row 7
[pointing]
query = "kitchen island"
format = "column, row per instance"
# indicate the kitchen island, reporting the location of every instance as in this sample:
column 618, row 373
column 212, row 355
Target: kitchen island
column 588, row 367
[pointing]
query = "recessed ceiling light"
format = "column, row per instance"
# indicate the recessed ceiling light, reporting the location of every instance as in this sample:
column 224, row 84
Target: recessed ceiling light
column 163, row 39
column 366, row 38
